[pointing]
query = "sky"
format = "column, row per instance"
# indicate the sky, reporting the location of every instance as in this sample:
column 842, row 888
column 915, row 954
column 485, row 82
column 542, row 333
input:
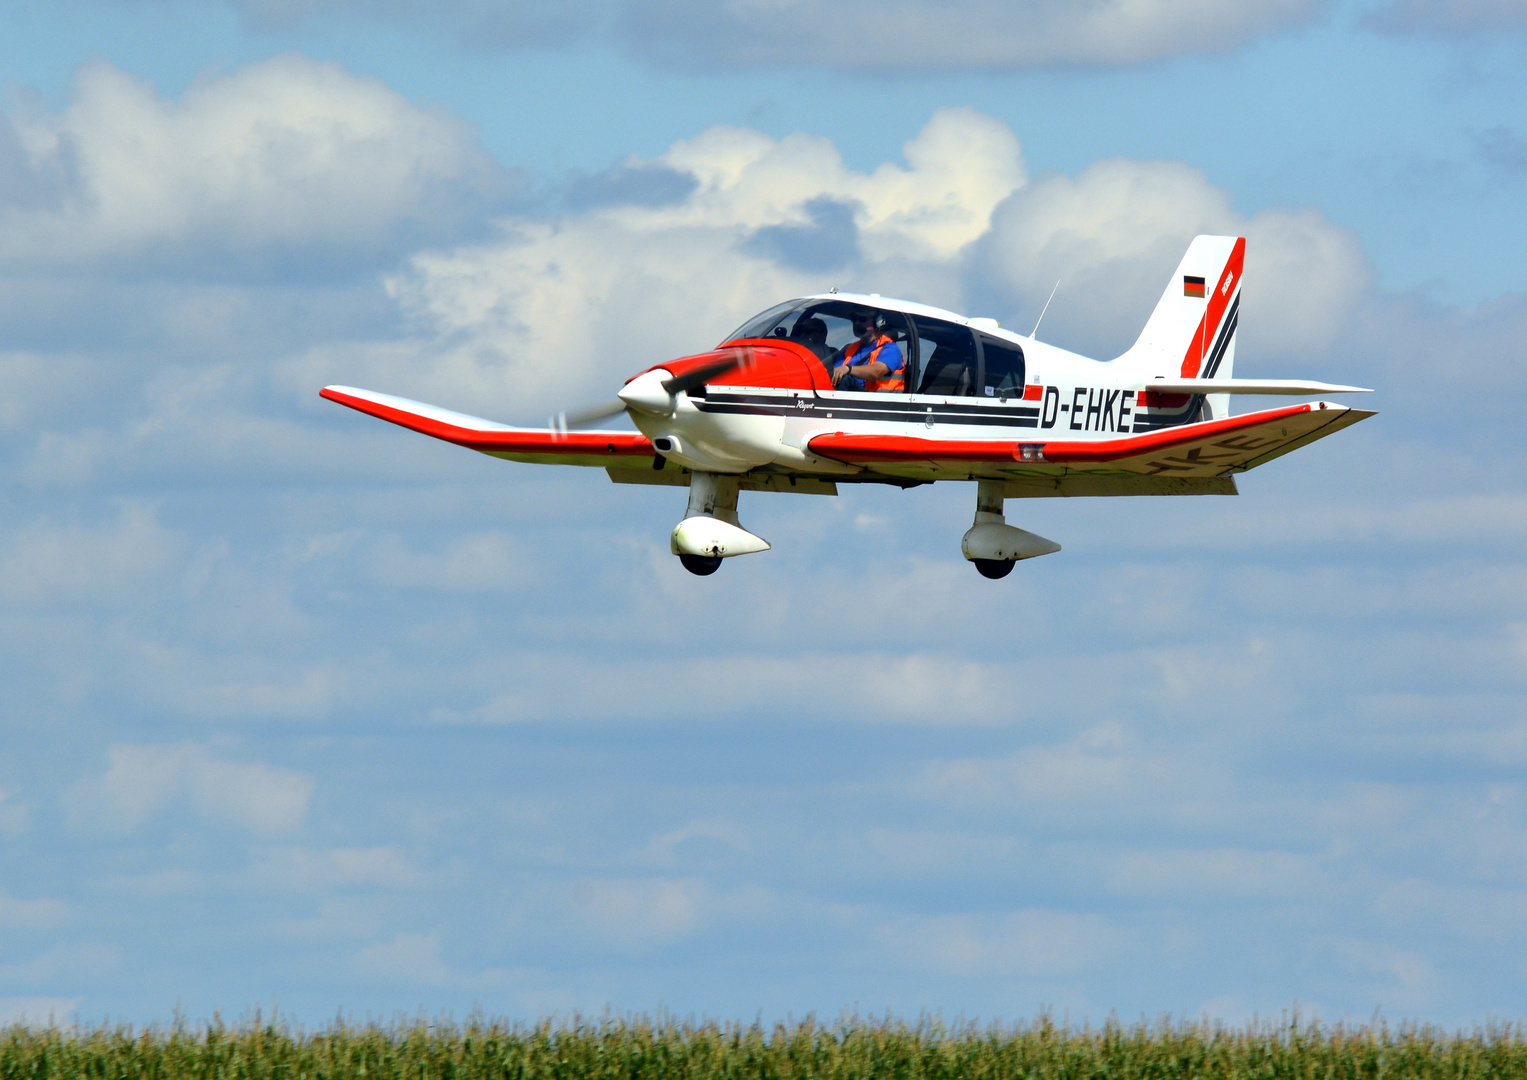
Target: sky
column 306, row 712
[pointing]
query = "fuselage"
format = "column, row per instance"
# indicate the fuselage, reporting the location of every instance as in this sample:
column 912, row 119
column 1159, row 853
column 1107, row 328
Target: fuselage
column 967, row 379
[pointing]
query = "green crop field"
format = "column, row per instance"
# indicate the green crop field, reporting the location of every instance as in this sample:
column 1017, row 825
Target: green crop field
column 636, row 1048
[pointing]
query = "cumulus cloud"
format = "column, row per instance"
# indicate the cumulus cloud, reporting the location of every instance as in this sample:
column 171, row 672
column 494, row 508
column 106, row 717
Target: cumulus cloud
column 553, row 312
column 289, row 162
column 1113, row 234
column 142, row 780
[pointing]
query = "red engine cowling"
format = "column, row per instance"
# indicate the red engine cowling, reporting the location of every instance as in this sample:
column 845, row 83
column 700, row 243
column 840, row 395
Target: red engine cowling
column 771, row 362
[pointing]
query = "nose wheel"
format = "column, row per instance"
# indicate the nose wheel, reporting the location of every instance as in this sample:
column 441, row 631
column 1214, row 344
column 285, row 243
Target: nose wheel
column 703, row 565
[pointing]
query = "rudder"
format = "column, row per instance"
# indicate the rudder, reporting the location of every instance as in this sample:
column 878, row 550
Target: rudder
column 1191, row 333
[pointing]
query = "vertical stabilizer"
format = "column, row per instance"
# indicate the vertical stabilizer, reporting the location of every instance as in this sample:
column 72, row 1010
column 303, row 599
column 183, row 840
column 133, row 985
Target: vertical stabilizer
column 1191, row 334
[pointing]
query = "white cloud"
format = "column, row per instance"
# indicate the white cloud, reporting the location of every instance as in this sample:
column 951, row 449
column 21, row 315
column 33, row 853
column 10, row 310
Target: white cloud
column 1219, row 871
column 1029, row 942
column 50, row 563
column 141, row 780
column 286, row 155
column 918, row 35
column 1101, row 768
column 697, row 841
column 523, row 325
column 926, row 35
column 327, row 869
column 408, row 959
column 555, row 311
column 486, row 560
column 44, row 1012
column 1113, row 234
column 37, row 913
column 70, row 964
column 14, row 815
column 643, row 913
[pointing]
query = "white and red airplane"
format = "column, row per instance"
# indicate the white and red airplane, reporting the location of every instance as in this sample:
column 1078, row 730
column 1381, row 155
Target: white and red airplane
column 1020, row 418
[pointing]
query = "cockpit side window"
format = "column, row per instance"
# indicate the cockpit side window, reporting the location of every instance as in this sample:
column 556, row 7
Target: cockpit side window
column 1002, row 367
column 948, row 358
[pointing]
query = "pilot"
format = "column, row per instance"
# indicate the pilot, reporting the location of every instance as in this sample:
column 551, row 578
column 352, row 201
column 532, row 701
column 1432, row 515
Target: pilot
column 872, row 361
column 812, row 333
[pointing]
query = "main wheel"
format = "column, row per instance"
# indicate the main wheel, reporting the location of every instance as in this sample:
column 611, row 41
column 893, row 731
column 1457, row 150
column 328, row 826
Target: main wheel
column 992, row 568
column 705, row 564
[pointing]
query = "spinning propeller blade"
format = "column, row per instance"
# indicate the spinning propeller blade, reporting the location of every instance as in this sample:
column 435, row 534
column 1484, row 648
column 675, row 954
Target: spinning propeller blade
column 704, row 374
column 673, row 386
column 564, row 421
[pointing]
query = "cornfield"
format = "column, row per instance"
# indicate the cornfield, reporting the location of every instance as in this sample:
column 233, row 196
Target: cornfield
column 635, row 1048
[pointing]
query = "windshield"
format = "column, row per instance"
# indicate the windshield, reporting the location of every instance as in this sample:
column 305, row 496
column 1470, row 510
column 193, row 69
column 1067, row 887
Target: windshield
column 823, row 326
column 772, row 323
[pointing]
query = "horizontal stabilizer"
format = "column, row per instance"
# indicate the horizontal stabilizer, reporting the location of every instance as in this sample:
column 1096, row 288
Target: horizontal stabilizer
column 1249, row 386
column 540, row 445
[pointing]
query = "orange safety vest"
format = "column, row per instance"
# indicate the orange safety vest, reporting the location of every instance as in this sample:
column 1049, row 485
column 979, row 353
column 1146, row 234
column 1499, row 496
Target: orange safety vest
column 894, row 382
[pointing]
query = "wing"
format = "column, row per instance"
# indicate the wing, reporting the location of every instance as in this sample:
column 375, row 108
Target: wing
column 1179, row 460
column 605, row 449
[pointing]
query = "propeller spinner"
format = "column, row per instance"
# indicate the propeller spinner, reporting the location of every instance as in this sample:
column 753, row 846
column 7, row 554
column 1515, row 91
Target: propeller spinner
column 650, row 393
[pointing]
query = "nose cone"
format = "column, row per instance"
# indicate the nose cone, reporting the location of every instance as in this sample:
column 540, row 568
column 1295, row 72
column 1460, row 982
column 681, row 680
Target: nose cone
column 645, row 393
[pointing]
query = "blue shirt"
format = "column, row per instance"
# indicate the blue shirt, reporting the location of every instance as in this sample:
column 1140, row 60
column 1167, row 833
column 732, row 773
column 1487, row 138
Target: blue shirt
column 886, row 351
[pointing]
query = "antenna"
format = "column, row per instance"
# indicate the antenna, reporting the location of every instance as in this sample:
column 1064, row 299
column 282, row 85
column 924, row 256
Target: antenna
column 1043, row 310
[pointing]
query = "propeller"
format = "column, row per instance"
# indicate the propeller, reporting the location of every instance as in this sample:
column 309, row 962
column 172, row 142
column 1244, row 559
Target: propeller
column 670, row 387
column 562, row 422
column 706, row 372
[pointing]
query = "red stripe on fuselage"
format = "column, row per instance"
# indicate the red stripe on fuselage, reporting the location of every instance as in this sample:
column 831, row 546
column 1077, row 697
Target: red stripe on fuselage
column 865, row 449
column 1129, row 446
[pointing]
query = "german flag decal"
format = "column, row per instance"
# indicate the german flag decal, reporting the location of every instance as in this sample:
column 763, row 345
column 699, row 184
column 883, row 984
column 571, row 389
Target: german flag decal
column 1193, row 286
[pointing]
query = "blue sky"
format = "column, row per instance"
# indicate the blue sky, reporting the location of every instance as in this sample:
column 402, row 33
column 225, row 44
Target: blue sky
column 302, row 709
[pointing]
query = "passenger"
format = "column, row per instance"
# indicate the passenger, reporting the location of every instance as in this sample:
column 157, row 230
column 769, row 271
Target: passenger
column 812, row 333
column 873, row 362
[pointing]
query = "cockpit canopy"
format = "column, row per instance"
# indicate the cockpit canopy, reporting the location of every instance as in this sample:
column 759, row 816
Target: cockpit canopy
column 943, row 358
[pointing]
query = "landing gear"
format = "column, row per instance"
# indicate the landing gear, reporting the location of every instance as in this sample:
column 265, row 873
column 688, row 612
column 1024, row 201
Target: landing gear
column 994, row 545
column 709, row 531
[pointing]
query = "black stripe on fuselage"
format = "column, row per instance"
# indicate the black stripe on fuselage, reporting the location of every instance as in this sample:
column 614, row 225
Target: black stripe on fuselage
column 907, row 410
column 1195, row 406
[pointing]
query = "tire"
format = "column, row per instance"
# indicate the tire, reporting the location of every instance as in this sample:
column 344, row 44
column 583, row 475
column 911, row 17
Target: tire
column 994, row 568
column 704, row 565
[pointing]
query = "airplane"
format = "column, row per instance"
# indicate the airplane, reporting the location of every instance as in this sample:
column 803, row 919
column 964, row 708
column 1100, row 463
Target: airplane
column 973, row 402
